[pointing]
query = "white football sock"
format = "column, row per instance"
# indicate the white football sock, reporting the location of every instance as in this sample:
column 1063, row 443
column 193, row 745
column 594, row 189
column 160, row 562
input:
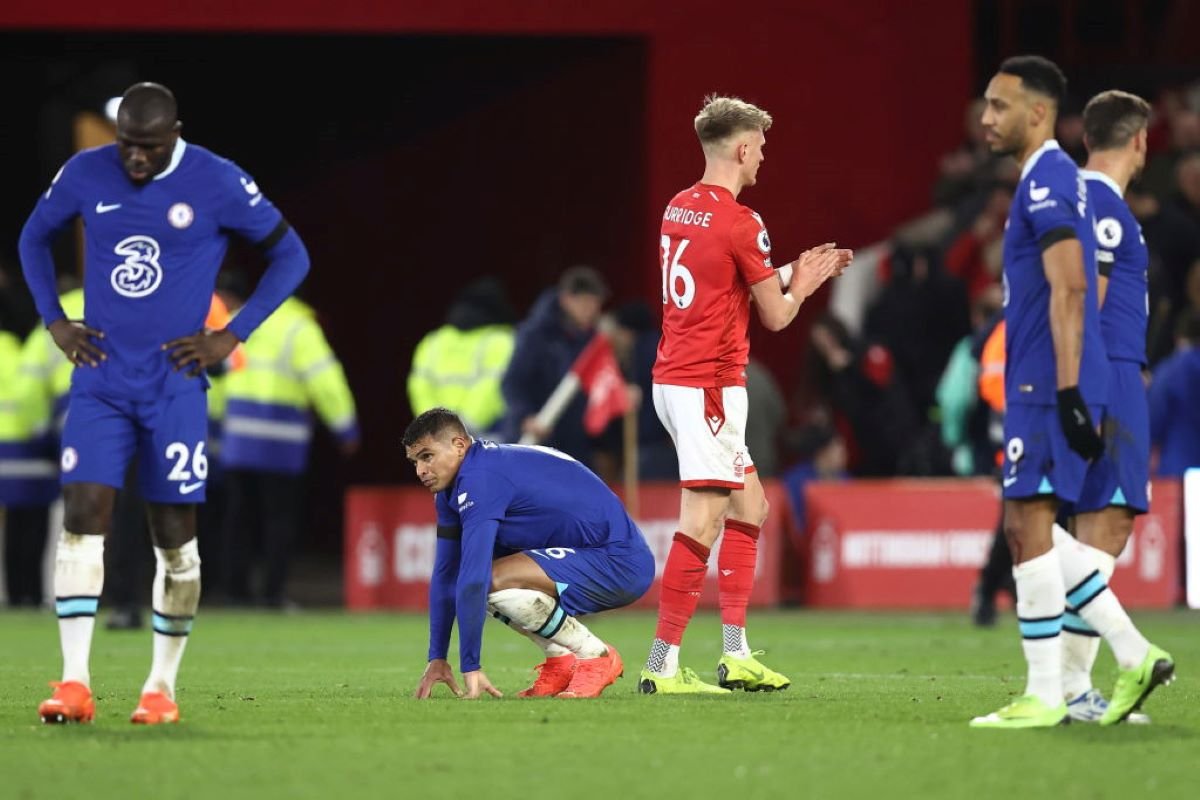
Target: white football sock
column 78, row 582
column 549, row 648
column 541, row 614
column 1088, row 593
column 176, row 595
column 1080, row 641
column 1039, row 614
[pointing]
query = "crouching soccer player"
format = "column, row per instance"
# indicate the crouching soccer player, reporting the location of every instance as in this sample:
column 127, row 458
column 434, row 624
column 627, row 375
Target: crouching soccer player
column 531, row 536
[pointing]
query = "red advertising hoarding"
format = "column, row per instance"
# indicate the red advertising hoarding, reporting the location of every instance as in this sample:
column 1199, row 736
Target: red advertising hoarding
column 920, row 543
column 391, row 539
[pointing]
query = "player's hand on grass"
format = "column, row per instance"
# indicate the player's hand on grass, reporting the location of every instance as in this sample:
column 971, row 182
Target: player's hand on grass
column 201, row 350
column 438, row 671
column 74, row 338
column 478, row 683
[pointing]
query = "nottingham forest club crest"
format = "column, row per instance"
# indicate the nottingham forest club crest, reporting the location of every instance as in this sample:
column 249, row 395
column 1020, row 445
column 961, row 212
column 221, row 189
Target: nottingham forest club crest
column 181, row 215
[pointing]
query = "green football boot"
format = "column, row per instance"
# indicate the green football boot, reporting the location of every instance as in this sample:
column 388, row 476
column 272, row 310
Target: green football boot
column 1135, row 685
column 1025, row 712
column 684, row 681
column 750, row 674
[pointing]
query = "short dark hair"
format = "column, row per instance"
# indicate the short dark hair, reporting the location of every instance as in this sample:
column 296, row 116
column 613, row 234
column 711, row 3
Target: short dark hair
column 582, row 279
column 1187, row 327
column 1038, row 74
column 432, row 423
column 1112, row 118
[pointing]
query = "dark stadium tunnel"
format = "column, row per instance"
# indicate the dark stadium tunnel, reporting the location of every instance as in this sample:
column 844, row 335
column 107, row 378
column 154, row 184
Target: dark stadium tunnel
column 410, row 165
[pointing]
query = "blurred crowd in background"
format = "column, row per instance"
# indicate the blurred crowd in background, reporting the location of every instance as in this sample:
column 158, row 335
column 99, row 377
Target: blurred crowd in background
column 890, row 367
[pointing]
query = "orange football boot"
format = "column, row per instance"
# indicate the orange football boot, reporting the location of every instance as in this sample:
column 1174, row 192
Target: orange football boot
column 592, row 675
column 155, row 708
column 71, row 702
column 554, row 675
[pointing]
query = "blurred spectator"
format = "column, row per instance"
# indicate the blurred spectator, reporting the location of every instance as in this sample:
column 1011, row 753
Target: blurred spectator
column 460, row 365
column 1174, row 408
column 765, row 416
column 1183, row 127
column 971, row 167
column 27, row 475
column 1068, row 131
column 561, row 323
column 962, row 415
column 635, row 336
column 866, row 390
column 1174, row 244
column 290, row 370
column 1187, row 185
column 823, row 457
column 976, row 256
column 919, row 317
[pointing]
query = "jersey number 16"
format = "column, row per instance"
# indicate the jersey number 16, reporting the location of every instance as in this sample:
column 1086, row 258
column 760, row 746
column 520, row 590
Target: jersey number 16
column 677, row 282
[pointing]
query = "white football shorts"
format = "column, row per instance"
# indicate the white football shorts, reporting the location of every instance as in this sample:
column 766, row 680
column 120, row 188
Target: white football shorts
column 708, row 427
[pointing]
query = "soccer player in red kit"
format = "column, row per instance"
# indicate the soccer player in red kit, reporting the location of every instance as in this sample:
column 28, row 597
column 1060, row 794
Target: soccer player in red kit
column 716, row 263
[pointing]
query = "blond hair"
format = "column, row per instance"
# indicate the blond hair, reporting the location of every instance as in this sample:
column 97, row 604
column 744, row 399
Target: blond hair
column 722, row 117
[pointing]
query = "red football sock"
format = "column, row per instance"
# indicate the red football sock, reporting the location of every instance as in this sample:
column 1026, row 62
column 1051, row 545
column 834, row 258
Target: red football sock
column 735, row 570
column 682, row 580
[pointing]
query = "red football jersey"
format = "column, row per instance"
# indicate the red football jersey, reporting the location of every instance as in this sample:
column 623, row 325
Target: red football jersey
column 713, row 250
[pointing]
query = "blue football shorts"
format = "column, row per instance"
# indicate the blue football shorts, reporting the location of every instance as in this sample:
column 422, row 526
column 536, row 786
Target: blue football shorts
column 1037, row 460
column 594, row 579
column 1121, row 477
column 168, row 436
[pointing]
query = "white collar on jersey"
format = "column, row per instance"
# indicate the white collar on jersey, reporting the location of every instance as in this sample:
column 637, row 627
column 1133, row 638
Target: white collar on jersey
column 176, row 157
column 1047, row 146
column 1105, row 178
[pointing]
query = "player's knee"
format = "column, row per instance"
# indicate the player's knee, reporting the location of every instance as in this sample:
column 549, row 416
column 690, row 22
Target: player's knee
column 87, row 513
column 182, row 563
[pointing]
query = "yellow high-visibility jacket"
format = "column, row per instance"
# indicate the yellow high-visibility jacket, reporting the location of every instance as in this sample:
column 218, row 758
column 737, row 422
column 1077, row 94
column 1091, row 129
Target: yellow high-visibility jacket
column 462, row 370
column 289, row 371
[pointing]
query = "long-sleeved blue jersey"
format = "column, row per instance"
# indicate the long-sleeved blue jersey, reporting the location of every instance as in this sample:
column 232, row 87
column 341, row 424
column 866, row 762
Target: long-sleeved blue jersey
column 507, row 499
column 152, row 255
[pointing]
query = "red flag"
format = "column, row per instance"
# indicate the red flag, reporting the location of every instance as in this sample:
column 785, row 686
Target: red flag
column 601, row 378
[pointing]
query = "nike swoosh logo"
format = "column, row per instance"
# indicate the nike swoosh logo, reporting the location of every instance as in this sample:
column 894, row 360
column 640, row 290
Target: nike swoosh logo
column 1009, row 481
column 1038, row 195
column 188, row 488
column 102, row 208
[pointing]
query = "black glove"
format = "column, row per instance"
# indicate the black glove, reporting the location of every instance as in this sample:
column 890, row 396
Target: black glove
column 1077, row 424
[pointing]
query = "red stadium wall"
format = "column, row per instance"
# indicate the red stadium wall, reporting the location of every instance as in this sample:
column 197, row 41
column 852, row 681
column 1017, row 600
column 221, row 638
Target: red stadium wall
column 865, row 97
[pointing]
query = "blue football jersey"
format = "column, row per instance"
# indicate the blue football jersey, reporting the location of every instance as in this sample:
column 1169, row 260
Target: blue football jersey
column 1121, row 255
column 511, row 498
column 1051, row 196
column 152, row 255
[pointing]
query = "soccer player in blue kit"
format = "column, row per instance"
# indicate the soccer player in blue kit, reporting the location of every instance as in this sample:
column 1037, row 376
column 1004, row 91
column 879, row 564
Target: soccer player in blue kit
column 1116, row 488
column 1056, row 381
column 533, row 537
column 1056, row 371
column 157, row 213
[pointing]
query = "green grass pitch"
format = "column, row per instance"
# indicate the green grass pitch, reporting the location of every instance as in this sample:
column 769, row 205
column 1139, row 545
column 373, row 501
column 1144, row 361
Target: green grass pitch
column 318, row 705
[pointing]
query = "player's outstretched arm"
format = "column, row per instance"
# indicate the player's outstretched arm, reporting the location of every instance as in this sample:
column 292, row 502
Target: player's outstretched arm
column 777, row 308
column 1062, row 262
column 437, row 671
